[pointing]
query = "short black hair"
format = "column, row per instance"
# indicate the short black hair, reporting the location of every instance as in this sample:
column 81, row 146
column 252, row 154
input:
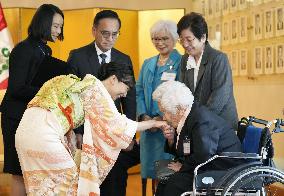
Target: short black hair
column 123, row 72
column 40, row 26
column 195, row 22
column 106, row 14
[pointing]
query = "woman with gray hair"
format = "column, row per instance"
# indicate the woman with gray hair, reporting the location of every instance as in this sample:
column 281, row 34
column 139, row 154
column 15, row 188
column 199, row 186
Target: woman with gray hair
column 196, row 134
column 162, row 67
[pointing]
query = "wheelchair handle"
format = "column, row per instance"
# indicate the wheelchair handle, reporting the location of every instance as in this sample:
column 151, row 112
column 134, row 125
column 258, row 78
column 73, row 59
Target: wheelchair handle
column 257, row 120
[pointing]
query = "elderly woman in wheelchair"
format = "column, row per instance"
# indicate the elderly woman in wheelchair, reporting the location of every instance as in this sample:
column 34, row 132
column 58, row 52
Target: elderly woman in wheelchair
column 199, row 135
column 203, row 142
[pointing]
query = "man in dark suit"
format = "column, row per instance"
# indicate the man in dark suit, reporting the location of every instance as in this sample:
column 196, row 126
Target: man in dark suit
column 206, row 71
column 199, row 135
column 87, row 60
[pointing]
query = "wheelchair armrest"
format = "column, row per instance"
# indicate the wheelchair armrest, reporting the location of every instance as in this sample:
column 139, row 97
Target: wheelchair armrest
column 240, row 155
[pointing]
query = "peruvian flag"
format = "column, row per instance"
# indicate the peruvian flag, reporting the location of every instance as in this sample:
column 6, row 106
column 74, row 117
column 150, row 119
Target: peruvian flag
column 6, row 45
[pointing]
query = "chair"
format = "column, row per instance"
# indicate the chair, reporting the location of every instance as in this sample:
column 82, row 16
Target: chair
column 252, row 177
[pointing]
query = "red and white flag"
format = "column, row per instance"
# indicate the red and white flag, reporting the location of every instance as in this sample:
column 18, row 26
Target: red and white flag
column 6, row 45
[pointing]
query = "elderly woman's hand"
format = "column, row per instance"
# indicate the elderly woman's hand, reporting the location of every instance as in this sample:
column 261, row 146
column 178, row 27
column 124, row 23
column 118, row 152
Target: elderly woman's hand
column 175, row 166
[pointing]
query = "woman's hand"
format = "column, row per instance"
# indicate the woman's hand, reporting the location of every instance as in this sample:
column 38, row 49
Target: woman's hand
column 160, row 124
column 148, row 124
column 175, row 166
column 157, row 118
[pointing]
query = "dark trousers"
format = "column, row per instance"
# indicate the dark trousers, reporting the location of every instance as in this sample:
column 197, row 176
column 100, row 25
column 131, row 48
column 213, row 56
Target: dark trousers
column 11, row 160
column 116, row 181
column 177, row 184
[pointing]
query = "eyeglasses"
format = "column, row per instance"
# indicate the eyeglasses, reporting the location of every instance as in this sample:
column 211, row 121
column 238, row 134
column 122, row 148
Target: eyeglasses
column 107, row 34
column 187, row 39
column 162, row 39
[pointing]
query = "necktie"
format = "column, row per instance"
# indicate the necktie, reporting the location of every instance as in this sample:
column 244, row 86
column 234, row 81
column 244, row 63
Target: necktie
column 103, row 56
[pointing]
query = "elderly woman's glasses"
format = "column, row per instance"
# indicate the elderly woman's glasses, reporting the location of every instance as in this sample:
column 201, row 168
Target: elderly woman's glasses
column 187, row 39
column 107, row 34
column 162, row 39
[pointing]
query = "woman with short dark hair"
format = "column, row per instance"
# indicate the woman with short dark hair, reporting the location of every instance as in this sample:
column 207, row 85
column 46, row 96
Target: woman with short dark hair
column 25, row 59
column 205, row 70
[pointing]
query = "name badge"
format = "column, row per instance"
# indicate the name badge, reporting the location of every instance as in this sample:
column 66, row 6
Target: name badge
column 186, row 146
column 166, row 76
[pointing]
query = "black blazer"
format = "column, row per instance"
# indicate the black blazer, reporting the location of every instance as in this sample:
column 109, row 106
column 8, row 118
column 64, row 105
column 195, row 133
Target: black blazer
column 214, row 86
column 24, row 61
column 209, row 134
column 85, row 60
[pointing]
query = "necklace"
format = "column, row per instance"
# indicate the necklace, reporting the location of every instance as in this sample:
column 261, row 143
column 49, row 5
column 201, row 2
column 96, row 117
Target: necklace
column 163, row 60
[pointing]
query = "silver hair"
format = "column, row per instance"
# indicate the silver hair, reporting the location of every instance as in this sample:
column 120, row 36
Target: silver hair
column 167, row 26
column 173, row 94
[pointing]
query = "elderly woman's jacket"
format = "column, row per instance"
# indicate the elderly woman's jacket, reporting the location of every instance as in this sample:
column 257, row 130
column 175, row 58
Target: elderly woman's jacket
column 209, row 134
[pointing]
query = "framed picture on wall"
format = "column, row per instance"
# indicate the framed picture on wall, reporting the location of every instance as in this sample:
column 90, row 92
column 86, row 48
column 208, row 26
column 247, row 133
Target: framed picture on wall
column 243, row 59
column 279, row 21
column 257, row 23
column 268, row 60
column 218, row 27
column 234, row 31
column 243, row 29
column 234, row 63
column 225, row 6
column 217, row 8
column 211, row 32
column 203, row 9
column 257, row 61
column 210, row 9
column 256, row 2
column 225, row 33
column 279, row 58
column 233, row 6
column 242, row 4
column 268, row 23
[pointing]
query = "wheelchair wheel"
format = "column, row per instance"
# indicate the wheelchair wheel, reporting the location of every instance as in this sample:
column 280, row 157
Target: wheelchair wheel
column 256, row 179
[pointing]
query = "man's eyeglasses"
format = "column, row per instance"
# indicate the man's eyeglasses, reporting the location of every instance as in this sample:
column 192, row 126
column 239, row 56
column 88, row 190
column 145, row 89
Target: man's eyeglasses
column 162, row 39
column 107, row 34
column 187, row 39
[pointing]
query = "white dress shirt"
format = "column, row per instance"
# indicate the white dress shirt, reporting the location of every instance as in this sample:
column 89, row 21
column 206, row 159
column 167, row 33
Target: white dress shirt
column 191, row 64
column 107, row 53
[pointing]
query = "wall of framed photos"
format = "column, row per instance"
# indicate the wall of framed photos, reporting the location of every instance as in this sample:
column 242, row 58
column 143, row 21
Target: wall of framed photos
column 252, row 34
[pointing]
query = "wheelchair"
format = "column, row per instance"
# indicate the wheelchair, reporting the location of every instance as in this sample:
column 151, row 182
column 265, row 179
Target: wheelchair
column 256, row 176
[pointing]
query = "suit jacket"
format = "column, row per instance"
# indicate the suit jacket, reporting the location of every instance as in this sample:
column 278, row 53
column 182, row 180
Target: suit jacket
column 209, row 134
column 24, row 62
column 85, row 60
column 214, row 86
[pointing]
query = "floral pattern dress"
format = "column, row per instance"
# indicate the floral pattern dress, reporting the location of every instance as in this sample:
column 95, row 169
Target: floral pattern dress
column 51, row 165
